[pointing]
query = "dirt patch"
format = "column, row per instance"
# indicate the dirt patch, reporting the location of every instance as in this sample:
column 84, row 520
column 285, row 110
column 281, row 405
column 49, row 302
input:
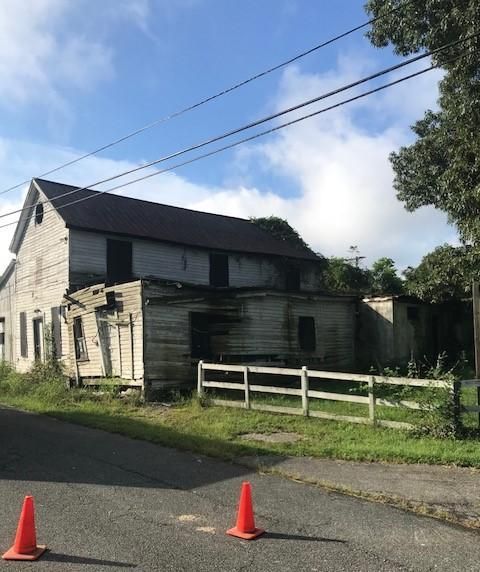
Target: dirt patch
column 281, row 437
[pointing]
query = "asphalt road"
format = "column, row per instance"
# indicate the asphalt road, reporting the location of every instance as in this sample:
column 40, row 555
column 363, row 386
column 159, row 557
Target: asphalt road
column 106, row 502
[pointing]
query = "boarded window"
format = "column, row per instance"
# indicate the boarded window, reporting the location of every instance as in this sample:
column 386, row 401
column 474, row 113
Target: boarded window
column 56, row 332
column 219, row 270
column 23, row 335
column 79, row 338
column 119, row 260
column 306, row 333
column 293, row 280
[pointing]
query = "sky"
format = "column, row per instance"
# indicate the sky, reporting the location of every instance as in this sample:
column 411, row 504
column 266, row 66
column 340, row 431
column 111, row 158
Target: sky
column 77, row 75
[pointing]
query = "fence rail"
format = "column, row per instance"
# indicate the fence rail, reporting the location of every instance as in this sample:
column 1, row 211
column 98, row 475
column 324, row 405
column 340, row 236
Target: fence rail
column 304, row 374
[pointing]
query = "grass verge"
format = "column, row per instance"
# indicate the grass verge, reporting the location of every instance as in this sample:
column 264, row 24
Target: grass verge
column 217, row 431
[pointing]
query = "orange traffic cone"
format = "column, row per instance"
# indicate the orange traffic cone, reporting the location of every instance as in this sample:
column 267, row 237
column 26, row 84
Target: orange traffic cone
column 25, row 545
column 245, row 527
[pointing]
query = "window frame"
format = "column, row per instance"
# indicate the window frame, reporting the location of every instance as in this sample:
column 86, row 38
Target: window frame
column 79, row 341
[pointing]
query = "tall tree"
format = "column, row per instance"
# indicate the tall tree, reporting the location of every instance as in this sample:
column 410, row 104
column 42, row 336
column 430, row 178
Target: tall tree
column 442, row 275
column 442, row 167
column 385, row 279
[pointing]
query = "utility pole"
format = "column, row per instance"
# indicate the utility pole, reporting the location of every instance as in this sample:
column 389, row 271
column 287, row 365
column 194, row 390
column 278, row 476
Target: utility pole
column 476, row 334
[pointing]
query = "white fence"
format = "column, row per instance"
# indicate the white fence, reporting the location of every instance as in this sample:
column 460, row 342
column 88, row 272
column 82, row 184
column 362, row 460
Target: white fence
column 304, row 374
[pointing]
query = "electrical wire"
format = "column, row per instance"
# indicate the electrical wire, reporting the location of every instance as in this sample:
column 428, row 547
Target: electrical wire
column 239, row 142
column 208, row 99
column 252, row 124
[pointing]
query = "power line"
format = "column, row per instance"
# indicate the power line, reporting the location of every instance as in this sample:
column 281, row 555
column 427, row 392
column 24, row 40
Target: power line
column 253, row 124
column 210, row 98
column 241, row 141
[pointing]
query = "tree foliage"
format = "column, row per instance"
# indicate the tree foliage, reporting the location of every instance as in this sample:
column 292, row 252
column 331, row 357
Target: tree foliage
column 444, row 274
column 280, row 228
column 442, row 167
column 384, row 277
column 343, row 277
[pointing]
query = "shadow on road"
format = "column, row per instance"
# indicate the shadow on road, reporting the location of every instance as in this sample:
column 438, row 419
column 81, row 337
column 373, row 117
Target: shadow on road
column 70, row 559
column 39, row 448
column 283, row 536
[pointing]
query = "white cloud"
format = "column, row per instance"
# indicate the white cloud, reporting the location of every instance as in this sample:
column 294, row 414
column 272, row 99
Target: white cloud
column 38, row 56
column 338, row 163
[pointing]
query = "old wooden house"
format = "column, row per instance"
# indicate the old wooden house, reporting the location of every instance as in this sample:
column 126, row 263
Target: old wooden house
column 141, row 291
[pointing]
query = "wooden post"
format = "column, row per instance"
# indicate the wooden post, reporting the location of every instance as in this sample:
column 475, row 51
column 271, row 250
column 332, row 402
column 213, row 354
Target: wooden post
column 201, row 378
column 371, row 400
column 247, row 387
column 132, row 346
column 456, row 385
column 476, row 333
column 304, row 382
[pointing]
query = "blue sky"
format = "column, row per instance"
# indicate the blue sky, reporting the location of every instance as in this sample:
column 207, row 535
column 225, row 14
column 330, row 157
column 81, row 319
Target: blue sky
column 74, row 75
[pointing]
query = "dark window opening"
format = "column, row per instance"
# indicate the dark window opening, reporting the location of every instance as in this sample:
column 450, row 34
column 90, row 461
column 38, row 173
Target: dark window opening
column 293, row 280
column 200, row 335
column 413, row 313
column 39, row 213
column 119, row 260
column 56, row 332
column 219, row 270
column 306, row 333
column 37, row 338
column 23, row 335
column 2, row 339
column 79, row 338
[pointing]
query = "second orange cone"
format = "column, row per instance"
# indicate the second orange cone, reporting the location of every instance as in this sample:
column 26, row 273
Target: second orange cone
column 245, row 527
column 25, row 546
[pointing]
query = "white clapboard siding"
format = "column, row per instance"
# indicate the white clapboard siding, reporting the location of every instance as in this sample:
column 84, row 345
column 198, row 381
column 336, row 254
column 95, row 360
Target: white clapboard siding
column 7, row 313
column 41, row 278
column 152, row 259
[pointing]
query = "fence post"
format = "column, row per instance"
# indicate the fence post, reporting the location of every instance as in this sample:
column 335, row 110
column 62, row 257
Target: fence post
column 200, row 378
column 371, row 400
column 247, row 387
column 304, row 381
column 456, row 385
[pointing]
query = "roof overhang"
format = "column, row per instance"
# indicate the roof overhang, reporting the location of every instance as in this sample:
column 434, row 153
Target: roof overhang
column 25, row 215
column 7, row 273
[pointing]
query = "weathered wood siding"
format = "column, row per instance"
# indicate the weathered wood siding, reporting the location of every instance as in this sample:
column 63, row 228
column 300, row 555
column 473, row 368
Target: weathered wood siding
column 268, row 330
column 125, row 328
column 88, row 263
column 41, row 278
column 257, row 327
column 7, row 313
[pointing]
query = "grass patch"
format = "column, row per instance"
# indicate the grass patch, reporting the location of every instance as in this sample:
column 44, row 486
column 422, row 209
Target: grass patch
column 217, row 431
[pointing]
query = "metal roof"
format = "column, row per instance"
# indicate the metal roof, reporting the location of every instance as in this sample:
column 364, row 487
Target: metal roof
column 115, row 214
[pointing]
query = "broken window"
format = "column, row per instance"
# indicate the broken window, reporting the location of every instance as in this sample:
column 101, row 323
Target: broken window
column 119, row 260
column 79, row 338
column 23, row 334
column 219, row 270
column 306, row 333
column 293, row 280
